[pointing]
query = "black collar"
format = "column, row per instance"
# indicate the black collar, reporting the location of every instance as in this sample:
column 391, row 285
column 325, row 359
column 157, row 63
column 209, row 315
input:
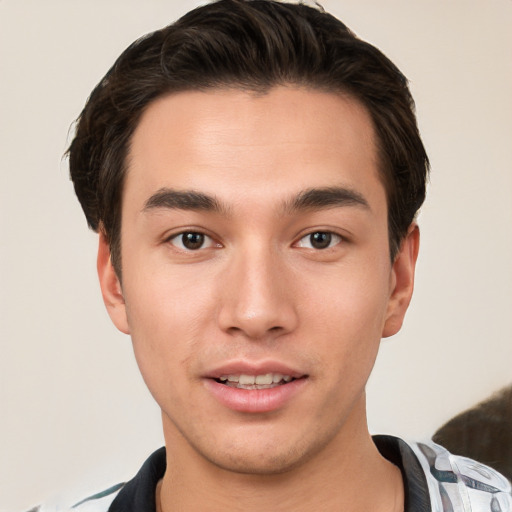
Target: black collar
column 138, row 495
column 397, row 451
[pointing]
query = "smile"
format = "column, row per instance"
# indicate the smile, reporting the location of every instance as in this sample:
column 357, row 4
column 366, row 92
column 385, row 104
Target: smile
column 264, row 381
column 243, row 388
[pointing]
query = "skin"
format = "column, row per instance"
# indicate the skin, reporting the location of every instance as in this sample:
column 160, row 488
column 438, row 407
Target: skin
column 259, row 292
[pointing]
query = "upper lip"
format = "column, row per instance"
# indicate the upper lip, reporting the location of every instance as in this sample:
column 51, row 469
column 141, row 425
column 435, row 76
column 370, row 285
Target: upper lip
column 253, row 368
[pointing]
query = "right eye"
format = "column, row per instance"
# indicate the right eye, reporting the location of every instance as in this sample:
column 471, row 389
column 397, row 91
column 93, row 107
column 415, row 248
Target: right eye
column 319, row 240
column 191, row 241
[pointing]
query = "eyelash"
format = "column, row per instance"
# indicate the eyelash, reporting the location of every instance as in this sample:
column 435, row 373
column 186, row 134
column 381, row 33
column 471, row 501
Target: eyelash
column 330, row 237
column 197, row 237
column 178, row 239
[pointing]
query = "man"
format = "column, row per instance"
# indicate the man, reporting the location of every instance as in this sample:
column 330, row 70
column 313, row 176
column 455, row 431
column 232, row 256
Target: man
column 254, row 171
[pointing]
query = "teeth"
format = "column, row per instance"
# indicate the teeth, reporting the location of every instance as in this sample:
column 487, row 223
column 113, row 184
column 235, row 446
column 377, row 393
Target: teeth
column 255, row 381
column 246, row 379
column 264, row 379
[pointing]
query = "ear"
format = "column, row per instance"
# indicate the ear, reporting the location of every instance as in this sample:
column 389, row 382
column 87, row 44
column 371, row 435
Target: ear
column 402, row 281
column 111, row 287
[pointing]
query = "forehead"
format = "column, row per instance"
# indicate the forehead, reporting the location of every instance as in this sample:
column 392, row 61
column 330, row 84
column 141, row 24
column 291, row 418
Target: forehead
column 229, row 140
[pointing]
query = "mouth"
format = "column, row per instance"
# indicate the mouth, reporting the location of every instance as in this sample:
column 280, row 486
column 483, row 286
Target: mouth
column 255, row 387
column 263, row 381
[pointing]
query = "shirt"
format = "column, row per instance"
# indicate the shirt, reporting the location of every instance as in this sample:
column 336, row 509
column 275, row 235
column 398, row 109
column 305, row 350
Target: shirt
column 434, row 481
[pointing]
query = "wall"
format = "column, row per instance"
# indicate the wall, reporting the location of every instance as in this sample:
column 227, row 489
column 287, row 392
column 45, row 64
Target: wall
column 75, row 413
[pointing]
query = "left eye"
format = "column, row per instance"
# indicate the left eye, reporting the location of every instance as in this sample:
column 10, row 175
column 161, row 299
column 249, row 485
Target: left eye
column 191, row 241
column 319, row 240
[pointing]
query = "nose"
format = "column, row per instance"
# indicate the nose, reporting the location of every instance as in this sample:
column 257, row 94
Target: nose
column 257, row 299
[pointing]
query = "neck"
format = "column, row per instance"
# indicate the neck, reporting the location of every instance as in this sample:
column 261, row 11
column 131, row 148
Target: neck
column 348, row 474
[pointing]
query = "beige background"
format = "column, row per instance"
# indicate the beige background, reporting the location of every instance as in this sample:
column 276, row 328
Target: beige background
column 74, row 411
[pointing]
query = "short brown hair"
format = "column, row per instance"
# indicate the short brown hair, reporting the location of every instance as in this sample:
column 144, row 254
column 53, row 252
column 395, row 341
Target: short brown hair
column 253, row 45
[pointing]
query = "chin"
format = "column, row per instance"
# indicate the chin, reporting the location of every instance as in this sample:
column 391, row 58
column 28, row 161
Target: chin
column 263, row 464
column 268, row 458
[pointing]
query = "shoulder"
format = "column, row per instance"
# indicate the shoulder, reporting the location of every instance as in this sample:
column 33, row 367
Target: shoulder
column 124, row 496
column 460, row 484
column 99, row 502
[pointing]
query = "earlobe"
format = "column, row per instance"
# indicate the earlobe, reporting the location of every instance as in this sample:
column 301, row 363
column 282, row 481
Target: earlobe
column 111, row 287
column 402, row 281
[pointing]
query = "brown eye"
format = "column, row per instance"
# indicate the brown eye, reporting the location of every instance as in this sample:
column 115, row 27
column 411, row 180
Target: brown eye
column 319, row 240
column 191, row 241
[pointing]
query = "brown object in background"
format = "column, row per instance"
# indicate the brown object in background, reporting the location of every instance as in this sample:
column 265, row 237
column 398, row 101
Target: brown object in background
column 483, row 433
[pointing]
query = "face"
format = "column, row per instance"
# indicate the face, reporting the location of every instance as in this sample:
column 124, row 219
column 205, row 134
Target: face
column 256, row 275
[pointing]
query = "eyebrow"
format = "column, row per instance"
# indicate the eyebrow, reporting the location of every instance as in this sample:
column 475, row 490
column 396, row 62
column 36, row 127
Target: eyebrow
column 327, row 197
column 309, row 199
column 182, row 200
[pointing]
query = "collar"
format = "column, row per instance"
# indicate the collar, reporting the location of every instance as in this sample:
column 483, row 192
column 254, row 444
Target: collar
column 138, row 495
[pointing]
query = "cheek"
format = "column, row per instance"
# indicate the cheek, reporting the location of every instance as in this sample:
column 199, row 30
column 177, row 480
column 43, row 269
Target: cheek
column 165, row 316
column 161, row 344
column 345, row 321
column 353, row 300
column 160, row 299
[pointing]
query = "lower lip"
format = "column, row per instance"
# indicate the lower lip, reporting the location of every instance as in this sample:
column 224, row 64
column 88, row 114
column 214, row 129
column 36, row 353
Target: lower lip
column 255, row 400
